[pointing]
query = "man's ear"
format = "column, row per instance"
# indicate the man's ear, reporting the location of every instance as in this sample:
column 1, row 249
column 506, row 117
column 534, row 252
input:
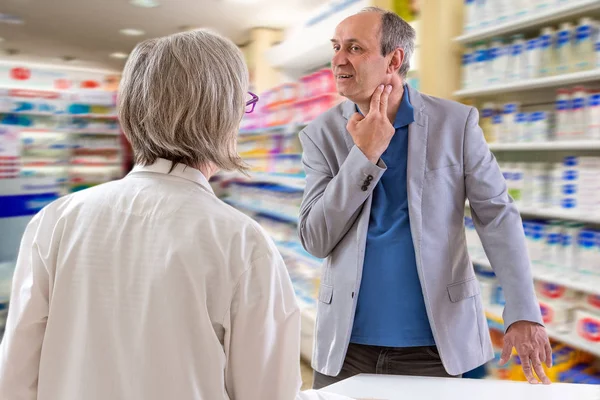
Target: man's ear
column 396, row 60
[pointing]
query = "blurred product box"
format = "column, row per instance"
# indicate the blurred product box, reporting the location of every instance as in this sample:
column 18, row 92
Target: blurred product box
column 588, row 326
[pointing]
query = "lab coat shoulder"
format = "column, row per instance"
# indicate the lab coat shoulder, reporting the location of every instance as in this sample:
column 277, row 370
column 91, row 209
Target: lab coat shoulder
column 249, row 237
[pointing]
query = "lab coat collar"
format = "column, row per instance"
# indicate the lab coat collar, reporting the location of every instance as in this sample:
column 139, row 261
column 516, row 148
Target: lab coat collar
column 162, row 166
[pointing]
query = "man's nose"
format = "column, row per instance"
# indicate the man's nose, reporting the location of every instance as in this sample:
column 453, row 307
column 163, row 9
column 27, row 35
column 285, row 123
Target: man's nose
column 339, row 58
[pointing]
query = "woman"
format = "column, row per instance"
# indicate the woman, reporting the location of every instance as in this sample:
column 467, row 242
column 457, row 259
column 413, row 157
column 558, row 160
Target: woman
column 150, row 287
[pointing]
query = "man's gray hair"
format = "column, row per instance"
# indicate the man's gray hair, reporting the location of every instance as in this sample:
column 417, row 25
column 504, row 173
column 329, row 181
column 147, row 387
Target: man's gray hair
column 182, row 98
column 395, row 33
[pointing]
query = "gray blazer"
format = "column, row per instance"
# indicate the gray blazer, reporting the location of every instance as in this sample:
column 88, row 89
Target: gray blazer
column 448, row 162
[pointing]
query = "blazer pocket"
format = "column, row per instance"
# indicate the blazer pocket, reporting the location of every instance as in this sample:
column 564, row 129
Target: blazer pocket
column 455, row 168
column 463, row 290
column 325, row 294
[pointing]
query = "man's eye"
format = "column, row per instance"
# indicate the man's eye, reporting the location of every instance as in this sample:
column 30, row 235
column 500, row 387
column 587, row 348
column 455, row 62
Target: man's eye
column 355, row 48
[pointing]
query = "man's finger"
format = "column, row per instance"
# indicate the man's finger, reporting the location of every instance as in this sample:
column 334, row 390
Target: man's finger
column 354, row 119
column 548, row 350
column 384, row 100
column 526, row 365
column 506, row 352
column 376, row 99
column 539, row 370
column 541, row 354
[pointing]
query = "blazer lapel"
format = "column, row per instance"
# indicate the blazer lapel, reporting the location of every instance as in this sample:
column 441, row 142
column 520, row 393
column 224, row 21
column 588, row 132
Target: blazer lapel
column 417, row 154
column 348, row 109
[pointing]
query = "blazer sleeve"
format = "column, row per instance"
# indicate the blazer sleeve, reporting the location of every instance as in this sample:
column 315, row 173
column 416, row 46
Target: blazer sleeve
column 499, row 225
column 331, row 203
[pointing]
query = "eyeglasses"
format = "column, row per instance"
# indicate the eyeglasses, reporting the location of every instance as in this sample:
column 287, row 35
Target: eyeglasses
column 250, row 104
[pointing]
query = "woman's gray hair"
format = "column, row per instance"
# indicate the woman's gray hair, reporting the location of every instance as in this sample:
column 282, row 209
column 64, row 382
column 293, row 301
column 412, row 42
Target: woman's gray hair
column 395, row 33
column 182, row 98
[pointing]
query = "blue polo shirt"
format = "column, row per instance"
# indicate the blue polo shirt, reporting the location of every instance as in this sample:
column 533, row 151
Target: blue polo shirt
column 391, row 309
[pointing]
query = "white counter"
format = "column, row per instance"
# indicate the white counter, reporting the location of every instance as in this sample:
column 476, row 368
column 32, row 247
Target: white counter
column 390, row 387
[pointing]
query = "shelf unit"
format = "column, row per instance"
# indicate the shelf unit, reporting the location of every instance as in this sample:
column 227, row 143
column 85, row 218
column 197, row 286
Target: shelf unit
column 553, row 213
column 576, row 145
column 550, row 82
column 537, row 92
column 292, row 181
column 268, row 212
column 572, row 280
column 265, row 131
column 551, row 15
column 53, row 139
column 272, row 155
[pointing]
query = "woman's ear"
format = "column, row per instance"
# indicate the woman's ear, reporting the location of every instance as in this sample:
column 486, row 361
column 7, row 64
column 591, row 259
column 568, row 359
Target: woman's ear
column 396, row 60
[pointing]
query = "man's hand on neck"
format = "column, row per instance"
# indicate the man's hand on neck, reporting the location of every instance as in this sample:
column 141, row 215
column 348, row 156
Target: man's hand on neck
column 393, row 103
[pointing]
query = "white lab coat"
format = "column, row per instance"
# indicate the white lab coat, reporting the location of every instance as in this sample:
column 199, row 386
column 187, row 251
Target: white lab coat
column 150, row 288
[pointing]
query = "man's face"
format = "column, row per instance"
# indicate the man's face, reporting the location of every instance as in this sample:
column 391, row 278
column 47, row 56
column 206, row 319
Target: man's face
column 357, row 64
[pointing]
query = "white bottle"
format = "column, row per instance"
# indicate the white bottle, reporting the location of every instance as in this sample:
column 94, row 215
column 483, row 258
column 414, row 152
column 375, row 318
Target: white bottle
column 520, row 125
column 509, row 113
column 564, row 48
column 540, row 5
column 579, row 113
column 467, row 68
column 563, row 114
column 533, row 127
column 470, row 15
column 486, row 122
column 517, row 59
column 498, row 61
column 542, row 121
column 532, row 55
column 479, row 67
column 498, row 128
column 520, row 8
column 503, row 10
column 484, row 14
column 518, row 177
column 546, row 48
column 593, row 131
column 597, row 47
column 583, row 46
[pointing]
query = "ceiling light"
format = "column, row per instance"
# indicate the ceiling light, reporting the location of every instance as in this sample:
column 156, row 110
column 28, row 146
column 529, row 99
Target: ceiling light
column 119, row 55
column 132, row 32
column 145, row 3
column 10, row 19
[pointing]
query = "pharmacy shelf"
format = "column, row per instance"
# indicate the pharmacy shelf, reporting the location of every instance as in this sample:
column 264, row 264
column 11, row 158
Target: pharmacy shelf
column 568, row 11
column 33, row 113
column 273, row 130
column 292, row 181
column 550, row 213
column 553, row 213
column 299, row 254
column 575, row 281
column 270, row 155
column 532, row 84
column 263, row 131
column 94, row 116
column 93, row 132
column 547, row 146
column 260, row 210
column 495, row 312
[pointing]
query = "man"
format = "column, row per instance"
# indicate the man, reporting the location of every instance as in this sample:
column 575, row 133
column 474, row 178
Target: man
column 387, row 175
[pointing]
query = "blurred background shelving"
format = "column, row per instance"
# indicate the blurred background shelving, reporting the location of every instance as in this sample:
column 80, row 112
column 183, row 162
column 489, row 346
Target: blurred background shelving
column 531, row 68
